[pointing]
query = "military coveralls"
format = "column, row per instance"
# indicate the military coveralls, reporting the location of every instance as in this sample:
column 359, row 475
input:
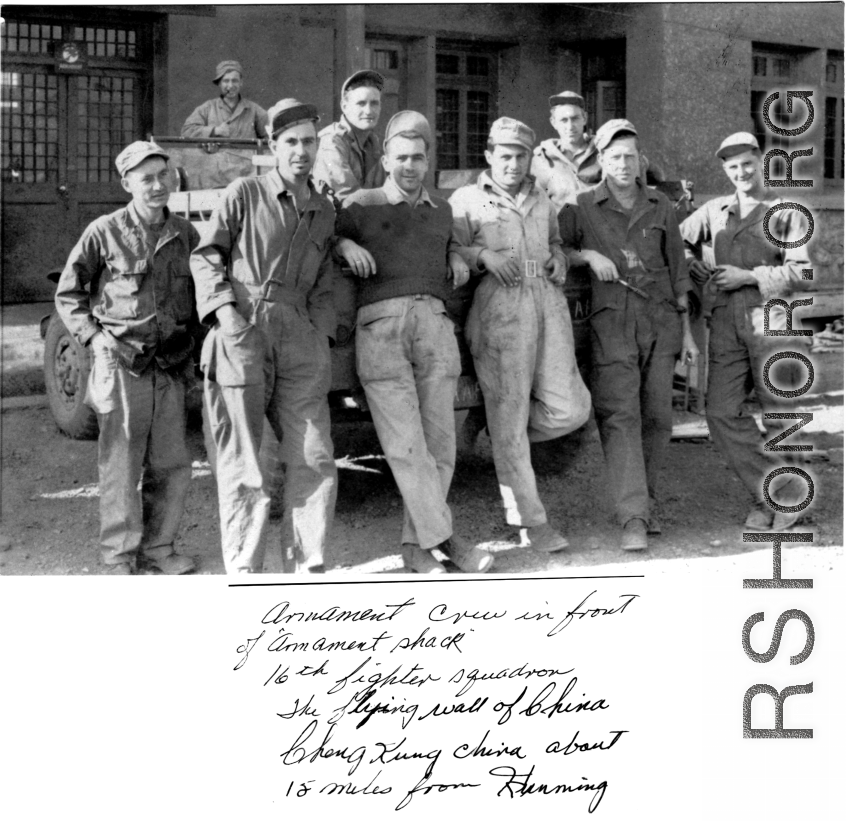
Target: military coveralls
column 274, row 265
column 561, row 177
column 346, row 165
column 408, row 359
column 141, row 297
column 738, row 348
column 635, row 341
column 521, row 338
column 246, row 121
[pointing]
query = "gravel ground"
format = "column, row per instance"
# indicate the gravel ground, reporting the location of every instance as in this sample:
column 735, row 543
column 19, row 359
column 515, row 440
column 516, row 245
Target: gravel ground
column 49, row 520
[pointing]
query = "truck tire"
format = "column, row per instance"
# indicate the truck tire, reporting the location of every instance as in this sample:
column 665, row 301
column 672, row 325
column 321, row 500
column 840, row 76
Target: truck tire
column 66, row 368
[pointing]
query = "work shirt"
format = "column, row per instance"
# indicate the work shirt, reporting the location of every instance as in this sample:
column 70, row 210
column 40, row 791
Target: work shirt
column 523, row 228
column 256, row 247
column 644, row 244
column 246, row 121
column 345, row 164
column 409, row 242
column 139, row 288
column 561, row 177
column 742, row 243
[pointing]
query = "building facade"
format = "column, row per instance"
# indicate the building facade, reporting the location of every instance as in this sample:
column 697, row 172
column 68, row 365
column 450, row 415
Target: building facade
column 80, row 82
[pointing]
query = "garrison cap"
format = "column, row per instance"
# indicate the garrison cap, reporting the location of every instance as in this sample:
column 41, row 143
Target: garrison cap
column 611, row 129
column 507, row 131
column 365, row 77
column 408, row 123
column 135, row 154
column 289, row 111
column 224, row 67
column 567, row 98
column 737, row 143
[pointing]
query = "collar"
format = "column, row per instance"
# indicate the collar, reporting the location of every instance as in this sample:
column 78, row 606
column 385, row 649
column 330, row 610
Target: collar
column 486, row 183
column 133, row 218
column 351, row 134
column 239, row 106
column 731, row 204
column 395, row 195
column 278, row 188
column 602, row 192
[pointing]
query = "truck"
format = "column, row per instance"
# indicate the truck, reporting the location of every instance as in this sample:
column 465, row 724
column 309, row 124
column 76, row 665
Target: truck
column 66, row 363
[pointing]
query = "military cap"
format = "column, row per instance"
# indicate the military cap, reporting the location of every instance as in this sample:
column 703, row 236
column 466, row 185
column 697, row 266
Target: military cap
column 224, row 67
column 410, row 123
column 611, row 129
column 365, row 77
column 507, row 131
column 736, row 144
column 567, row 98
column 135, row 154
column 288, row 111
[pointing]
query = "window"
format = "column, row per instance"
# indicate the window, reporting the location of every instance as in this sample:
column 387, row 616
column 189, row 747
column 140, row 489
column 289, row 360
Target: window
column 833, row 145
column 774, row 68
column 604, row 81
column 465, row 106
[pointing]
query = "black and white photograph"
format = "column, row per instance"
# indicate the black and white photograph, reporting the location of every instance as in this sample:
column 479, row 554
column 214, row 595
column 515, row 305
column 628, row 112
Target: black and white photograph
column 315, row 305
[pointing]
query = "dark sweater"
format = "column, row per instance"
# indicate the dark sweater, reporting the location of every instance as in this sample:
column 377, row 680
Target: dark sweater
column 409, row 244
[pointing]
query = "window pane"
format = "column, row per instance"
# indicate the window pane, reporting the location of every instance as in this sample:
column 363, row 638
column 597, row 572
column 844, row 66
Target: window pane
column 383, row 59
column 760, row 66
column 477, row 65
column 830, row 138
column 478, row 119
column 446, row 63
column 447, row 127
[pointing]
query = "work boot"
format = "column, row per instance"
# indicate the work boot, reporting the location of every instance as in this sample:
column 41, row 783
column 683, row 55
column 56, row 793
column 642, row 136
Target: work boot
column 467, row 557
column 634, row 536
column 543, row 538
column 759, row 518
column 173, row 565
column 126, row 568
column 418, row 560
column 784, row 521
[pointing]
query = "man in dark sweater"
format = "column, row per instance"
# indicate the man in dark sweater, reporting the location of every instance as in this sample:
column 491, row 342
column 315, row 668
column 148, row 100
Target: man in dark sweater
column 398, row 240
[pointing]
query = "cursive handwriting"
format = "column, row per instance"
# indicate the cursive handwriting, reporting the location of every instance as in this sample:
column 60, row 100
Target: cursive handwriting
column 592, row 612
column 519, row 784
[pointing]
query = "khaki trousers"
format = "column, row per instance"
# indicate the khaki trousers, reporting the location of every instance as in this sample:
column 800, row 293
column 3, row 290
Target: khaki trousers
column 142, row 436
column 408, row 362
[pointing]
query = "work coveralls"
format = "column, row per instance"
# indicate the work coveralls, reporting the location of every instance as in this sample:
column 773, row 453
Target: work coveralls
column 246, row 121
column 738, row 348
column 408, row 362
column 561, row 177
column 635, row 341
column 142, row 298
column 275, row 268
column 521, row 338
column 345, row 164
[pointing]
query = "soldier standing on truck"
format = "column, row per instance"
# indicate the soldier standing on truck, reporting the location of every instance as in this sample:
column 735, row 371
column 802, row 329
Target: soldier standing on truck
column 264, row 283
column 519, row 326
column 566, row 166
column 748, row 271
column 628, row 235
column 228, row 115
column 349, row 153
column 126, row 292
column 406, row 352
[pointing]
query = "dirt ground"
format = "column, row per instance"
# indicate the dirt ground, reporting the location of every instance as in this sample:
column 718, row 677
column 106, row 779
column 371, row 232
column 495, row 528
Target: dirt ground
column 49, row 521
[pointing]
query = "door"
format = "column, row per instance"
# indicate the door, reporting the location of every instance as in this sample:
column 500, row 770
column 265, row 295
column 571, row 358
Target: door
column 74, row 93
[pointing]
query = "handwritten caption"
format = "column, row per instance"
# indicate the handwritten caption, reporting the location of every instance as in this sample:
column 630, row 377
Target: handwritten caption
column 407, row 700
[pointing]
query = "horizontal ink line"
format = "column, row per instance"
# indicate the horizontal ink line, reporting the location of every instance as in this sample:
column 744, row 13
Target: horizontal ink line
column 419, row 581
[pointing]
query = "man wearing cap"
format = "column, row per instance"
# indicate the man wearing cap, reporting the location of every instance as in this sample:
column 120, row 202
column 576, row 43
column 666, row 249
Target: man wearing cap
column 126, row 293
column 348, row 153
column 565, row 166
column 398, row 239
column 264, row 283
column 739, row 274
column 228, row 115
column 628, row 235
column 519, row 327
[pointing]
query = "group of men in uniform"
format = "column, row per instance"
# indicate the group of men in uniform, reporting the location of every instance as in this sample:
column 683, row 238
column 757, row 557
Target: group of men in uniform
column 261, row 278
